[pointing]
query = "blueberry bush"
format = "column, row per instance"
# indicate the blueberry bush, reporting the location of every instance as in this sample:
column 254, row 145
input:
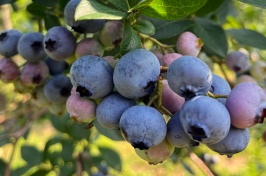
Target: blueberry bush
column 178, row 82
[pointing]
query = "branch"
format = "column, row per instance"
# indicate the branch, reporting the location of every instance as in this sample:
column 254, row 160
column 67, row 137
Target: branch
column 201, row 164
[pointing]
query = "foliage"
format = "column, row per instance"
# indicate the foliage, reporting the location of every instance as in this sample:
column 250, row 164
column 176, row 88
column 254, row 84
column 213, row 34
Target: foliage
column 158, row 21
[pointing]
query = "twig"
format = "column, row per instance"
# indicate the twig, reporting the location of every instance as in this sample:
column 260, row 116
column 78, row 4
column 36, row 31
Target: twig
column 201, row 164
column 7, row 169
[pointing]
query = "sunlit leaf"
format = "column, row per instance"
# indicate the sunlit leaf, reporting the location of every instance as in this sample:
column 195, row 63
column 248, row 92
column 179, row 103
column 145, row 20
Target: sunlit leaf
column 95, row 9
column 172, row 9
column 248, row 37
column 257, row 3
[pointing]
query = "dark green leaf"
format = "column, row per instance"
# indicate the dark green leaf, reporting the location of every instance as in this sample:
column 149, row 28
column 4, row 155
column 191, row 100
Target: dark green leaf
column 55, row 158
column 144, row 27
column 36, row 9
column 78, row 131
column 62, row 4
column 31, row 155
column 120, row 4
column 110, row 133
column 21, row 170
column 257, row 3
column 51, row 21
column 62, row 124
column 2, row 166
column 168, row 29
column 140, row 4
column 41, row 172
column 47, row 3
column 2, row 2
column 111, row 157
column 130, row 40
column 4, row 141
column 248, row 37
column 227, row 8
column 172, row 9
column 68, row 169
column 213, row 36
column 67, row 151
column 210, row 6
column 95, row 9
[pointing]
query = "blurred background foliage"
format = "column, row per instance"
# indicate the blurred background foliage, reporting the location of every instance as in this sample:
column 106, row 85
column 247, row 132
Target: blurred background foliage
column 34, row 141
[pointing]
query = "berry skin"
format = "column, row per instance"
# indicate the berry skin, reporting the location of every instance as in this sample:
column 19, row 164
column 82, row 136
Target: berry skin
column 9, row 70
column 244, row 78
column 34, row 73
column 81, row 26
column 234, row 142
column 59, row 43
column 81, row 109
column 110, row 109
column 188, row 44
column 258, row 70
column 188, row 76
column 136, row 73
column 156, row 154
column 30, row 46
column 92, row 76
column 143, row 126
column 169, row 58
column 237, row 61
column 58, row 88
column 170, row 100
column 8, row 42
column 88, row 46
column 176, row 134
column 56, row 67
column 111, row 34
column 246, row 104
column 220, row 86
column 205, row 119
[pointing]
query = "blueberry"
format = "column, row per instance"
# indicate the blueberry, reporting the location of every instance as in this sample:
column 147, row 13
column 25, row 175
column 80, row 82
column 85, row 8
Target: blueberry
column 188, row 76
column 205, row 119
column 136, row 73
column 59, row 43
column 9, row 41
column 81, row 26
column 30, row 46
column 56, row 67
column 58, row 88
column 110, row 109
column 92, row 76
column 143, row 126
column 220, row 86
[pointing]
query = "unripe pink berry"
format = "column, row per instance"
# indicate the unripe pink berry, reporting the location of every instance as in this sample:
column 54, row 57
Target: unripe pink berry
column 81, row 109
column 88, row 46
column 169, row 58
column 171, row 100
column 237, row 61
column 33, row 74
column 9, row 70
column 246, row 104
column 188, row 44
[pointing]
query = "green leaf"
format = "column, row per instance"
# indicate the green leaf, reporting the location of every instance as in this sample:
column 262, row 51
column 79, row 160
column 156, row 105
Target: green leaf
column 113, row 134
column 47, row 3
column 139, row 4
column 67, row 151
column 21, row 170
column 62, row 123
column 210, row 6
column 95, row 9
column 144, row 27
column 51, row 21
column 2, row 2
column 213, row 36
column 36, row 9
column 41, row 172
column 31, row 155
column 168, row 29
column 49, row 143
column 67, row 169
column 130, row 40
column 111, row 157
column 257, row 3
column 248, row 37
column 2, row 166
column 119, row 4
column 172, row 9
